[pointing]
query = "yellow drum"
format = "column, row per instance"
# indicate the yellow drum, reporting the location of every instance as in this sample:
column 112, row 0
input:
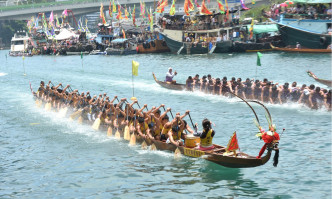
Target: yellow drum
column 192, row 142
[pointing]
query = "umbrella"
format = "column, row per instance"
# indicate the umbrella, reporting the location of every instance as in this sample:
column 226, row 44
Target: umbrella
column 283, row 5
column 288, row 2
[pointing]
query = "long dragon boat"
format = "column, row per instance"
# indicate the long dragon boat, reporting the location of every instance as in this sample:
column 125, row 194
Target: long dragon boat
column 219, row 154
column 322, row 81
column 301, row 50
column 172, row 86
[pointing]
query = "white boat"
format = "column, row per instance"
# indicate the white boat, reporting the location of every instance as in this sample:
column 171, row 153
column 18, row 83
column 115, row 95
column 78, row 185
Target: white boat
column 19, row 43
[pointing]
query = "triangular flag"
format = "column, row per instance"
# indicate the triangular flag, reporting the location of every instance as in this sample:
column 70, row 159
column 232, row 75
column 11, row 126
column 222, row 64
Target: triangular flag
column 232, row 144
column 135, row 68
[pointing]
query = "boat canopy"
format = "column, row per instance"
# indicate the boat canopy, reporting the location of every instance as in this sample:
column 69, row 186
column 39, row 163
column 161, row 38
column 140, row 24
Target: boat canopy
column 312, row 1
column 119, row 40
column 258, row 29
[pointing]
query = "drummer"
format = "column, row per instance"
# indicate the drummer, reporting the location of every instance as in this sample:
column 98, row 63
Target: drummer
column 206, row 136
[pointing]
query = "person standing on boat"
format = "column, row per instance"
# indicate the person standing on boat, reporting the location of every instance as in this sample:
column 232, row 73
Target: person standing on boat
column 298, row 45
column 170, row 75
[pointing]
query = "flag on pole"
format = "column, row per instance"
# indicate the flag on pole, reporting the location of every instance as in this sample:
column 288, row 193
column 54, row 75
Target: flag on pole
column 244, row 7
column 135, row 68
column 204, row 9
column 161, row 7
column 123, row 33
column 259, row 55
column 65, row 13
column 172, row 10
column 133, row 16
column 81, row 55
column 232, row 144
column 251, row 29
column 221, row 7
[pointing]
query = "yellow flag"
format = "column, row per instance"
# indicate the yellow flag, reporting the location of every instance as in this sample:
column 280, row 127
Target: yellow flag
column 135, row 68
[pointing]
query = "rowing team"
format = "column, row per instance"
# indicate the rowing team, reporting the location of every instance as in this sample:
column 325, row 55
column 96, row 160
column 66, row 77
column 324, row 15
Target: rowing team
column 104, row 113
column 265, row 91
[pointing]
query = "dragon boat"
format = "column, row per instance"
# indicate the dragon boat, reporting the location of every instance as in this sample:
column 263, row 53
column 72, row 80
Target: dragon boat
column 219, row 154
column 168, row 85
column 301, row 50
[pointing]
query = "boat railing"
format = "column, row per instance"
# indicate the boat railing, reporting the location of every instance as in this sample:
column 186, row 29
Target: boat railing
column 307, row 16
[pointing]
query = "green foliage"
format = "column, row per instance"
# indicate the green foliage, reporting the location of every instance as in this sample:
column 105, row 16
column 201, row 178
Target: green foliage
column 8, row 29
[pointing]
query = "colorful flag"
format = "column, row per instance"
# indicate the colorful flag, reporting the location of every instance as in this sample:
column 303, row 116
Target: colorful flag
column 161, row 7
column 110, row 10
column 126, row 13
column 114, row 7
column 133, row 15
column 81, row 55
column 259, row 55
column 204, row 9
column 119, row 16
column 244, row 7
column 227, row 10
column 57, row 21
column 232, row 144
column 191, row 6
column 253, row 2
column 172, row 10
column 135, row 68
column 142, row 6
column 186, row 7
column 251, row 29
column 124, row 34
column 221, row 7
column 65, row 13
column 51, row 19
column 151, row 21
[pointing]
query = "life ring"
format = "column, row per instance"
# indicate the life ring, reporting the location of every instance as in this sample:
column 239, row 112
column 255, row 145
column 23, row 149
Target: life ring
column 144, row 46
column 164, row 43
column 153, row 44
column 322, row 41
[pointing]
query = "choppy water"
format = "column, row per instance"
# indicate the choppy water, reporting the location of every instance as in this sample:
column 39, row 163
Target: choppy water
column 44, row 156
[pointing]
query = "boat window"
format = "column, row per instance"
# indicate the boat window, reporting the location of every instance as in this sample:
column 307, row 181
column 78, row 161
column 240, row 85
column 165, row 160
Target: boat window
column 20, row 42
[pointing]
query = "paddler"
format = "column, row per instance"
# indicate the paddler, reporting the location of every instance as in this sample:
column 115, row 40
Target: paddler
column 176, row 135
column 170, row 75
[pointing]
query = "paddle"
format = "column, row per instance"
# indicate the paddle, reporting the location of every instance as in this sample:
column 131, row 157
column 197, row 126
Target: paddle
column 171, row 114
column 117, row 133
column 109, row 131
column 96, row 124
column 153, row 147
column 132, row 139
column 191, row 120
column 126, row 135
column 177, row 153
column 144, row 145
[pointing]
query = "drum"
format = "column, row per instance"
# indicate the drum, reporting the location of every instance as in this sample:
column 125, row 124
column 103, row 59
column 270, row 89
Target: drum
column 192, row 142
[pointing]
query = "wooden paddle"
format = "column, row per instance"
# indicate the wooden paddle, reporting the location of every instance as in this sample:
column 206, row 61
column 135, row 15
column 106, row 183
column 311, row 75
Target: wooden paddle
column 109, row 131
column 80, row 120
column 126, row 135
column 96, row 124
column 132, row 140
column 177, row 153
column 144, row 145
column 117, row 133
column 76, row 114
column 153, row 147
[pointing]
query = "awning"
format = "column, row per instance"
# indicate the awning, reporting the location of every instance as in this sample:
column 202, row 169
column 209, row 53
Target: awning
column 118, row 40
column 312, row 1
column 264, row 28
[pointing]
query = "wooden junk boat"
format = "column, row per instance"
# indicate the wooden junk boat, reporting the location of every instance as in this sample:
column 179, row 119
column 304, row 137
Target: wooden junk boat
column 168, row 85
column 301, row 50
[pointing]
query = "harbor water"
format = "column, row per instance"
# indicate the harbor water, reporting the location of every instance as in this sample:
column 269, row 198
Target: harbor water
column 45, row 156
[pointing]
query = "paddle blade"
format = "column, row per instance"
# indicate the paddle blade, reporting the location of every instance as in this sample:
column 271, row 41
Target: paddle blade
column 132, row 139
column 144, row 145
column 109, row 131
column 96, row 124
column 117, row 134
column 76, row 114
column 177, row 153
column 126, row 133
column 133, row 98
column 48, row 106
column 39, row 103
column 153, row 147
column 63, row 112
column 80, row 120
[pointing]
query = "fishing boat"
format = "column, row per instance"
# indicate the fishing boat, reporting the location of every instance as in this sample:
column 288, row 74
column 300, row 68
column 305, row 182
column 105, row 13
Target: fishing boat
column 174, row 40
column 309, row 32
column 322, row 81
column 153, row 46
column 121, row 47
column 301, row 50
column 168, row 85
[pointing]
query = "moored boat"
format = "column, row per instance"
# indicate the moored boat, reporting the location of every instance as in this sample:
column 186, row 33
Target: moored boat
column 301, row 50
column 19, row 44
column 121, row 47
column 154, row 46
column 168, row 85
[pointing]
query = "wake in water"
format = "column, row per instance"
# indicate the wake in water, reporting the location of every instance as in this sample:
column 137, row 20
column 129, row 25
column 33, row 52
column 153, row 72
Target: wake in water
column 3, row 74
